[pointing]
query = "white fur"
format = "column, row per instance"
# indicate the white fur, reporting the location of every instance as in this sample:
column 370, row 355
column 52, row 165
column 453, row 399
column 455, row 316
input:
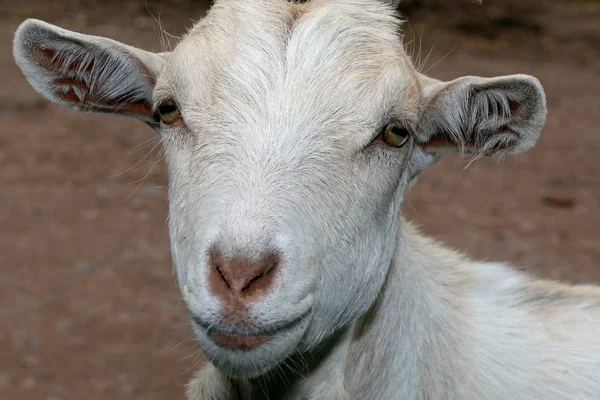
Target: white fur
column 281, row 105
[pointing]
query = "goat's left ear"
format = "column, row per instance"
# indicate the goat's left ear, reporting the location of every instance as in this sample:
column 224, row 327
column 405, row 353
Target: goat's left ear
column 479, row 116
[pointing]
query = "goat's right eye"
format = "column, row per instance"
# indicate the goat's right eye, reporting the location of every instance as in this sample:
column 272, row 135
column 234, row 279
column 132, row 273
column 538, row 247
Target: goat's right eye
column 169, row 112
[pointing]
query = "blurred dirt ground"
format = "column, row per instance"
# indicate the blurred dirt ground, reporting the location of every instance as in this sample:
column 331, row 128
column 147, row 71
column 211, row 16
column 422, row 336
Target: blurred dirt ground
column 88, row 304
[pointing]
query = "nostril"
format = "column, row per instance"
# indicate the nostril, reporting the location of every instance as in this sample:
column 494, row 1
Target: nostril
column 267, row 271
column 218, row 268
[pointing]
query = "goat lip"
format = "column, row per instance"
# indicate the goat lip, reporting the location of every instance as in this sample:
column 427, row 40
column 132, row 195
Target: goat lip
column 274, row 329
column 238, row 342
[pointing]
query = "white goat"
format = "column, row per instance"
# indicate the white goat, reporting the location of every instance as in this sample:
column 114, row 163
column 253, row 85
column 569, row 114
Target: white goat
column 292, row 133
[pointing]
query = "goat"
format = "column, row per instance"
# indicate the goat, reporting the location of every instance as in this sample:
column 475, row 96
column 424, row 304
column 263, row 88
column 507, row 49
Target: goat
column 292, row 133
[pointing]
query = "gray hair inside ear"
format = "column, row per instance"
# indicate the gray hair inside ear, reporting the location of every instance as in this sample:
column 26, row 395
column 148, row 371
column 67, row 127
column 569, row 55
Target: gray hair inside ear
column 86, row 73
column 482, row 116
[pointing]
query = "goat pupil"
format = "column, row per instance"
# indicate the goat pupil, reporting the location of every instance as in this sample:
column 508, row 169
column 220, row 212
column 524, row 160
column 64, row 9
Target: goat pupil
column 401, row 132
column 167, row 109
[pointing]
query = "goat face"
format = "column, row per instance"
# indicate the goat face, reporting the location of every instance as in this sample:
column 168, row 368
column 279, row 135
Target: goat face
column 284, row 195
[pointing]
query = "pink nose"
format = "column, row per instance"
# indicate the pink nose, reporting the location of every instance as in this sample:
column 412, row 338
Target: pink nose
column 238, row 281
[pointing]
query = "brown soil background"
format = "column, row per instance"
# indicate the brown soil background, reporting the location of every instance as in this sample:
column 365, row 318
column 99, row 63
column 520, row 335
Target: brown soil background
column 88, row 304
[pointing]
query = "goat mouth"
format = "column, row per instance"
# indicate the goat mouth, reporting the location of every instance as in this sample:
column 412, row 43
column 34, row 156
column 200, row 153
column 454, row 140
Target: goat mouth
column 238, row 342
column 244, row 338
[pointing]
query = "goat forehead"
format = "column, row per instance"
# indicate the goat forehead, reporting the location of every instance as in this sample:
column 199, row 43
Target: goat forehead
column 323, row 58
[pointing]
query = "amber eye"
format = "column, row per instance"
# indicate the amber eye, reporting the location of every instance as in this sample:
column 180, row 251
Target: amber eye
column 395, row 135
column 169, row 112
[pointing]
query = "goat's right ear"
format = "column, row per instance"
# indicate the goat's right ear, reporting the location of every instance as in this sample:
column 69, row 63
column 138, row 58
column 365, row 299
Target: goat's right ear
column 87, row 73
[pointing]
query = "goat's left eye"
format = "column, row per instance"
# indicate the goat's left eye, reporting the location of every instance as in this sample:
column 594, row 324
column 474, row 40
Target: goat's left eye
column 395, row 135
column 169, row 112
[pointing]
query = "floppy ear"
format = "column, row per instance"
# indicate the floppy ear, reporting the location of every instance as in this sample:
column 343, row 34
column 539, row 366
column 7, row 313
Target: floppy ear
column 478, row 116
column 87, row 73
